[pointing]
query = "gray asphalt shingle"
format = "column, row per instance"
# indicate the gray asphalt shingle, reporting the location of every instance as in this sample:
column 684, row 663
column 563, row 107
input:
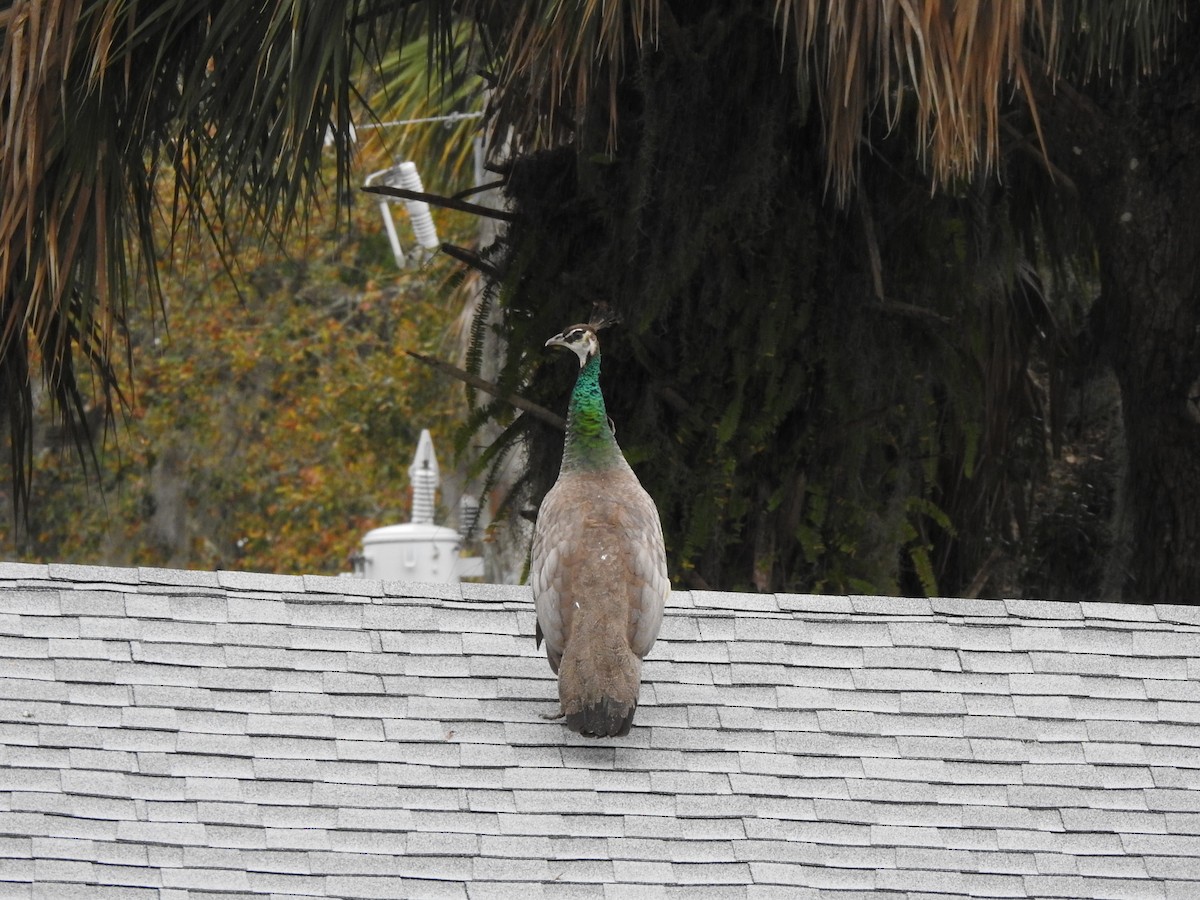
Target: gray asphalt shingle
column 189, row 735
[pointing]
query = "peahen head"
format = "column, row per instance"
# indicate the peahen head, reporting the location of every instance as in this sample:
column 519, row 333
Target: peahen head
column 590, row 443
column 580, row 339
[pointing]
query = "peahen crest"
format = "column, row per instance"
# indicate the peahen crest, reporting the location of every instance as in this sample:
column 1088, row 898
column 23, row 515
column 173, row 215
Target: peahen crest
column 603, row 316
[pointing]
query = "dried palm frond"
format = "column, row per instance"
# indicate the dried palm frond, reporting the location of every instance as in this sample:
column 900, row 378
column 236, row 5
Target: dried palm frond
column 947, row 69
column 956, row 63
column 952, row 61
column 97, row 97
column 554, row 54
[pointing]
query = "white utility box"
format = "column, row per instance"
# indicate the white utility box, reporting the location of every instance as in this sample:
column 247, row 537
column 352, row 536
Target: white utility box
column 414, row 551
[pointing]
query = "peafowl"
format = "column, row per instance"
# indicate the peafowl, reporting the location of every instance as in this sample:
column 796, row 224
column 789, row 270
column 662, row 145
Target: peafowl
column 598, row 567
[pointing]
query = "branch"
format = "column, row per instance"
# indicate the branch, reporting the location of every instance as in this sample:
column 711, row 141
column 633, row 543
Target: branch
column 673, row 399
column 909, row 311
column 975, row 588
column 474, row 260
column 439, row 200
column 480, row 188
column 873, row 254
column 1022, row 143
column 1074, row 122
column 488, row 387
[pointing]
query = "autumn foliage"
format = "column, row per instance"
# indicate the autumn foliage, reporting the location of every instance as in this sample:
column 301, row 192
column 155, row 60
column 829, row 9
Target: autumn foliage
column 270, row 422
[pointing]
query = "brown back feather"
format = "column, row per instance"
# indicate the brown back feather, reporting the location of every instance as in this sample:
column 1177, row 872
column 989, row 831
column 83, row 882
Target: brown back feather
column 599, row 577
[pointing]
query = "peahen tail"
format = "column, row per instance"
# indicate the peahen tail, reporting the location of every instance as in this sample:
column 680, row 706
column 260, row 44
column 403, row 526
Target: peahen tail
column 598, row 689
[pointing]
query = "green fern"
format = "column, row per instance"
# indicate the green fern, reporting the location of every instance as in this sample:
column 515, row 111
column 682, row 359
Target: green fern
column 477, row 340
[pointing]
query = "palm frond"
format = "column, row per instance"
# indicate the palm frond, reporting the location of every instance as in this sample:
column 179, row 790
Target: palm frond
column 554, row 55
column 410, row 101
column 99, row 99
column 956, row 65
column 1115, row 36
column 949, row 61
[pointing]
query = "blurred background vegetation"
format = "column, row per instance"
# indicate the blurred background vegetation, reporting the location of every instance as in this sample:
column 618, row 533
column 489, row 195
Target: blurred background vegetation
column 908, row 288
column 270, row 412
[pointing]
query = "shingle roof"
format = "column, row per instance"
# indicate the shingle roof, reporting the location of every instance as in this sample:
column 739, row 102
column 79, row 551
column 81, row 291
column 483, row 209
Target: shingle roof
column 195, row 735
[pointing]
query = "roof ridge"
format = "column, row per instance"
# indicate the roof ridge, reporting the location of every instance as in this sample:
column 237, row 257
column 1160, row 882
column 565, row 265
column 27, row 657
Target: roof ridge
column 299, row 588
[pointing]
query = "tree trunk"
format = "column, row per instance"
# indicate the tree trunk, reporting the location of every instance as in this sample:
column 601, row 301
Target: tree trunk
column 1133, row 155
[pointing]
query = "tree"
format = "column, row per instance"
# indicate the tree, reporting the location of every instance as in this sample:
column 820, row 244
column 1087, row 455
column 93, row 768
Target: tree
column 858, row 203
column 97, row 97
column 962, row 81
column 791, row 389
column 933, row 72
column 1128, row 146
column 268, row 430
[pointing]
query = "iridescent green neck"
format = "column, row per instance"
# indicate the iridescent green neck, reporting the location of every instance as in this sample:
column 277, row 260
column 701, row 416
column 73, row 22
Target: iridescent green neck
column 590, row 443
